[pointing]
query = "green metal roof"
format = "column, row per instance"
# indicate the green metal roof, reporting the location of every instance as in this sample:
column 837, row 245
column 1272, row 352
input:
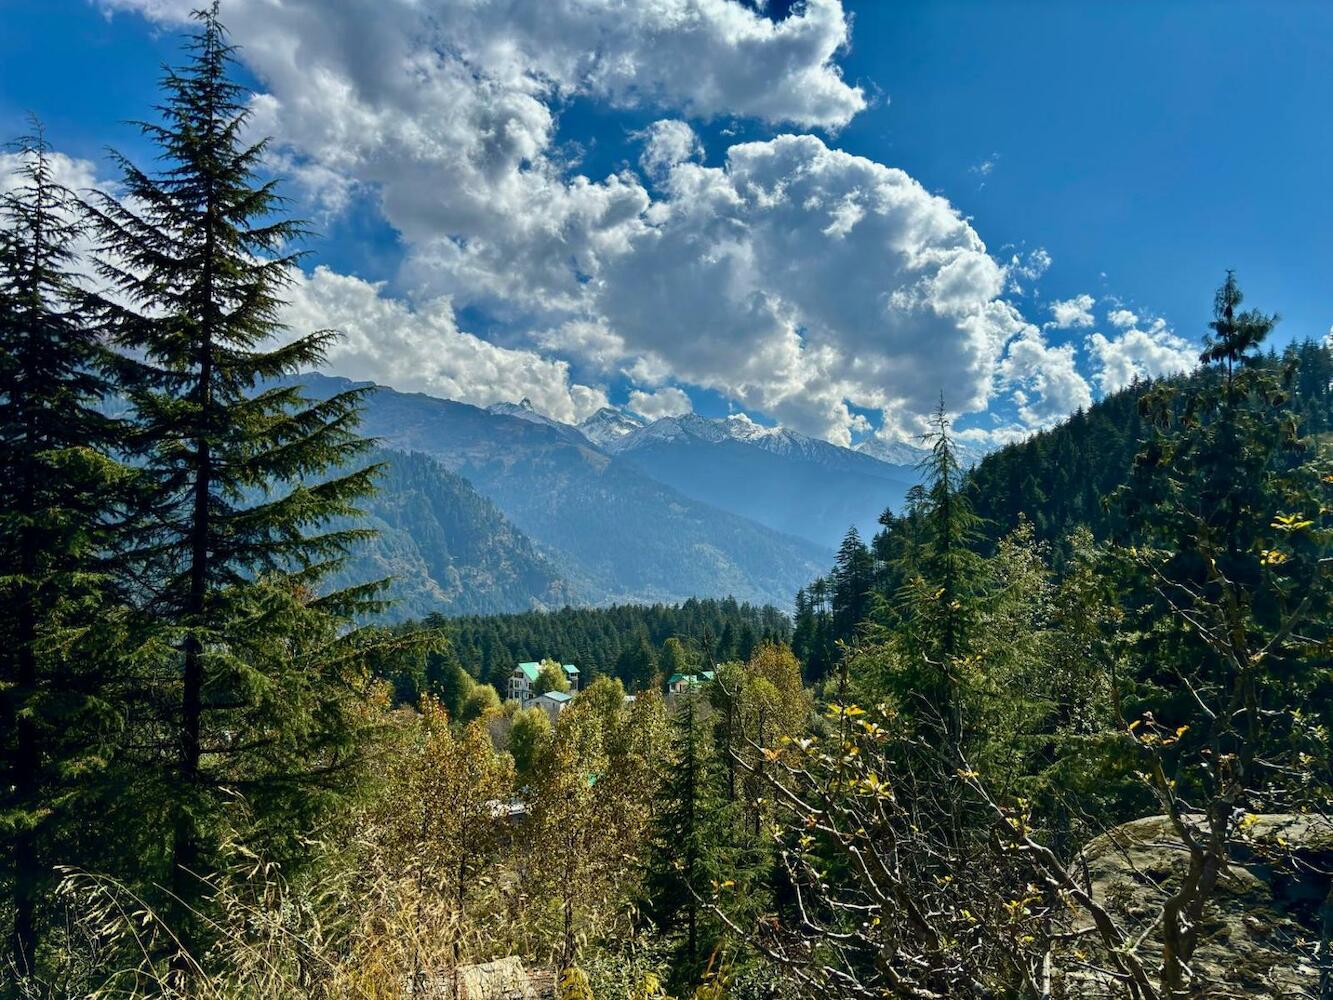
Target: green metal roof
column 708, row 675
column 530, row 670
column 570, row 668
column 682, row 677
column 556, row 696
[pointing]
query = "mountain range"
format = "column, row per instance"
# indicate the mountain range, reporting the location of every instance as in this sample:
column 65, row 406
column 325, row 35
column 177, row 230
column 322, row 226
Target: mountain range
column 503, row 508
column 787, row 481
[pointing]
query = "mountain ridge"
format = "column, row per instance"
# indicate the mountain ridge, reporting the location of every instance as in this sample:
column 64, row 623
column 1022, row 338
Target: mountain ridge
column 613, row 532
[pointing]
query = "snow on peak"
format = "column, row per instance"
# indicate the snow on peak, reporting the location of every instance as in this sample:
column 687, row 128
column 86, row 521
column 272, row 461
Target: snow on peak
column 608, row 426
column 523, row 410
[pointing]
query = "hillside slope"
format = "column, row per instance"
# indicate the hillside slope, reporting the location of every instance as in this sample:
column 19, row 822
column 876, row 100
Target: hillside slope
column 447, row 548
column 1063, row 477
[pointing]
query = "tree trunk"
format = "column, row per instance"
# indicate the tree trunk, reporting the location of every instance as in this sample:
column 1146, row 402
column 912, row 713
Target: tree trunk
column 185, row 853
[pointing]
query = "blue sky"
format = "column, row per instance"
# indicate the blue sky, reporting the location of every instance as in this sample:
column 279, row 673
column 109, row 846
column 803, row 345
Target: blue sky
column 510, row 237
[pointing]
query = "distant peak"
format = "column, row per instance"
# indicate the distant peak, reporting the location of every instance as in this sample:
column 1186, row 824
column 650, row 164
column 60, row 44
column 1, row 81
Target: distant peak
column 525, row 403
column 608, row 426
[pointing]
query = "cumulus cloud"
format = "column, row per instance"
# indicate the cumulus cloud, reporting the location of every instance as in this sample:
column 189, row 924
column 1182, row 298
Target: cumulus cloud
column 798, row 280
column 1025, row 268
column 423, row 350
column 1139, row 353
column 705, row 57
column 75, row 174
column 1045, row 379
column 668, row 402
column 1069, row 314
column 1122, row 319
column 667, row 143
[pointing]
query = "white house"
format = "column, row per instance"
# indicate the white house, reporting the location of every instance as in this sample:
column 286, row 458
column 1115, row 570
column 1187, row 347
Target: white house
column 522, row 681
column 553, row 703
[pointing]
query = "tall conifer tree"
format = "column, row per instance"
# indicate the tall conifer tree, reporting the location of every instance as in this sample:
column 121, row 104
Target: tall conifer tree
column 58, row 498
column 253, row 690
column 941, row 599
column 692, row 839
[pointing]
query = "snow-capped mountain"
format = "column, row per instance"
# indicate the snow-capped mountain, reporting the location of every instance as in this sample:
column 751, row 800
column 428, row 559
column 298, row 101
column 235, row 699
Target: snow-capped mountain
column 905, row 453
column 893, row 452
column 524, row 411
column 738, row 427
column 783, row 479
column 609, row 426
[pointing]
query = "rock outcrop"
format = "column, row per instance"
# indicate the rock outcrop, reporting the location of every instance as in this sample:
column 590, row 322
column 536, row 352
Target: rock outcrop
column 1262, row 931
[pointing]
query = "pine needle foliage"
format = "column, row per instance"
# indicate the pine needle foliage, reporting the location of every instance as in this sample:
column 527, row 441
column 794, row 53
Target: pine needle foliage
column 251, row 699
column 691, row 852
column 59, row 498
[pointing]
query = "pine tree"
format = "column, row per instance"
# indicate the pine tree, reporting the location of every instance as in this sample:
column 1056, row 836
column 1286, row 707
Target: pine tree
column 690, row 851
column 940, row 600
column 637, row 665
column 59, row 498
column 803, row 627
column 256, row 686
column 1230, row 595
column 853, row 582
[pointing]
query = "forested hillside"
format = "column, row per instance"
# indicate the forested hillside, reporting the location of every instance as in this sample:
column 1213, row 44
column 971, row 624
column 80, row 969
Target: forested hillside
column 444, row 548
column 607, row 641
column 1062, row 478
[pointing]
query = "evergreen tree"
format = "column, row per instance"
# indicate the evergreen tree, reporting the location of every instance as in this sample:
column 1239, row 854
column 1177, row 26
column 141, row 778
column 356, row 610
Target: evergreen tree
column 59, row 500
column 1229, row 707
column 637, row 665
column 940, row 600
column 853, row 582
column 821, row 656
column 803, row 627
column 255, row 690
column 1230, row 500
column 690, row 850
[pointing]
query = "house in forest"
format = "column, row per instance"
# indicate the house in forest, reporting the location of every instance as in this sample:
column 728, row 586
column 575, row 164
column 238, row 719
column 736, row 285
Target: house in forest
column 522, row 686
column 680, row 683
column 553, row 703
column 523, row 681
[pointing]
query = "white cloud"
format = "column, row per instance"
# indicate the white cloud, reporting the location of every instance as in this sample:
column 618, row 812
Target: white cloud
column 668, row 402
column 77, row 176
column 384, row 339
column 1026, row 268
column 1122, row 319
column 422, row 349
column 1069, row 314
column 1139, row 353
column 706, row 57
column 667, row 143
column 799, row 278
column 1045, row 379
